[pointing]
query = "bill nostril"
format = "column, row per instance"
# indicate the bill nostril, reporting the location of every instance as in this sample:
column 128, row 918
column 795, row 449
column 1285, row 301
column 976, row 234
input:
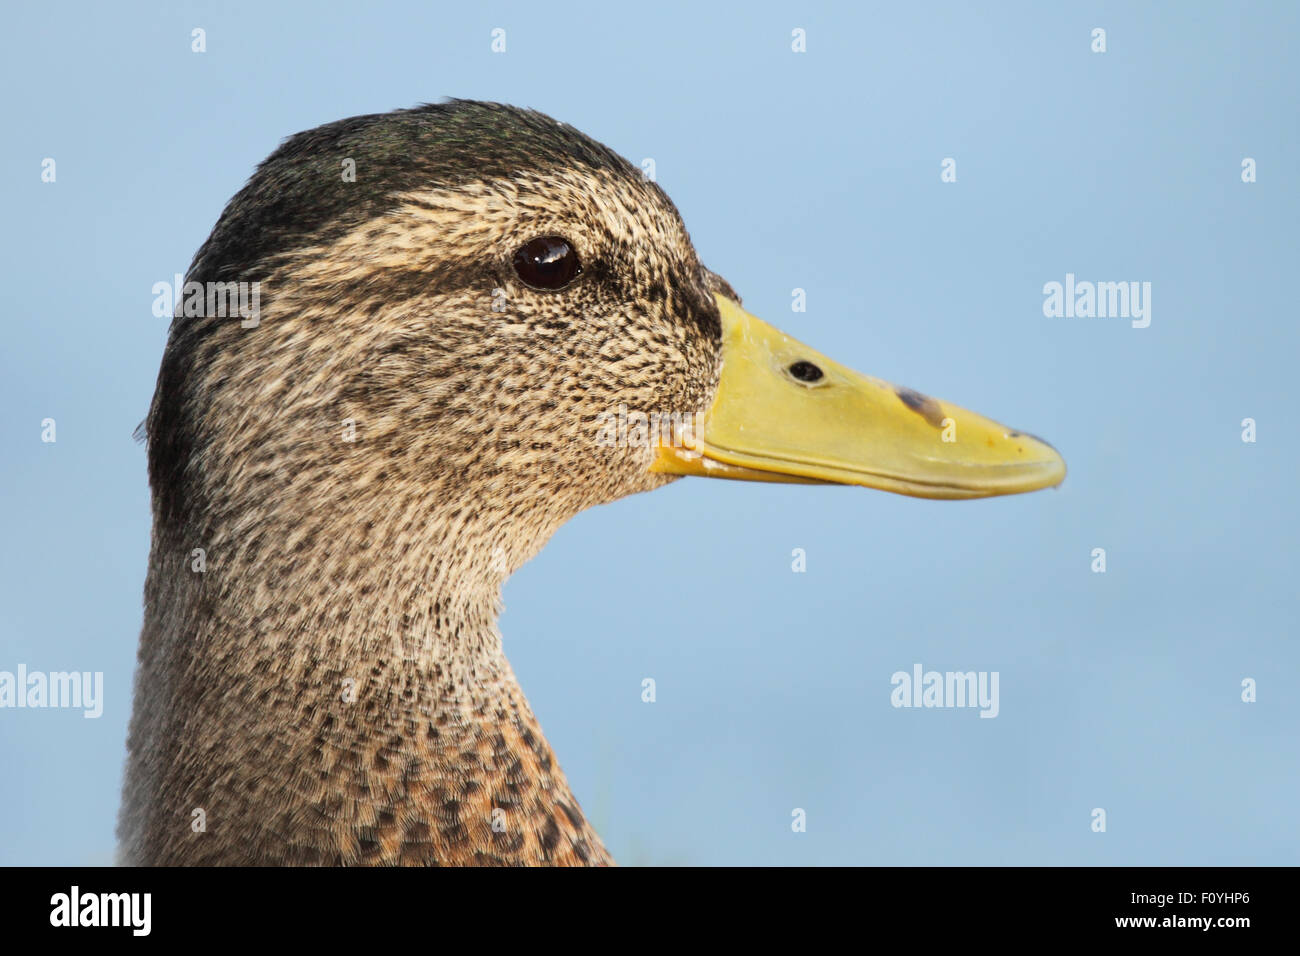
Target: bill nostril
column 805, row 371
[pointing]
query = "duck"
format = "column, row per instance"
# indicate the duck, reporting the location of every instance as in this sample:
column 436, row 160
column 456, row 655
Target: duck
column 473, row 323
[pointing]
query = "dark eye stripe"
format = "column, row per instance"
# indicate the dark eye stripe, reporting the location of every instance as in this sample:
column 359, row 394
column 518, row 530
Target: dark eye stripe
column 547, row 262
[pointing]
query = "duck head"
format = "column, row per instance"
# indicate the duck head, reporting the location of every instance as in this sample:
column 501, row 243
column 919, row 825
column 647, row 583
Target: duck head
column 472, row 322
column 474, row 302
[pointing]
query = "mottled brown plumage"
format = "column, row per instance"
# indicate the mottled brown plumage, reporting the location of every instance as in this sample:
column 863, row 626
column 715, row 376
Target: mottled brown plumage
column 374, row 566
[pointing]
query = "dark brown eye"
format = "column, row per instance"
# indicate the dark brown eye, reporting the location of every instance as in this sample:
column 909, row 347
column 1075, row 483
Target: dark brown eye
column 547, row 262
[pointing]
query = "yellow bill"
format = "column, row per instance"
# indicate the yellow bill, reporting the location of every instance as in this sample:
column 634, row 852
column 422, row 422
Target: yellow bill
column 784, row 412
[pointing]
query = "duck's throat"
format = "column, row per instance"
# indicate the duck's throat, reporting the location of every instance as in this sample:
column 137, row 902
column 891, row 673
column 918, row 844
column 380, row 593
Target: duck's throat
column 310, row 726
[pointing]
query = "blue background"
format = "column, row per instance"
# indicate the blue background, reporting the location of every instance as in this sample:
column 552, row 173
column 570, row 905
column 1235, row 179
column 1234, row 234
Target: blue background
column 817, row 171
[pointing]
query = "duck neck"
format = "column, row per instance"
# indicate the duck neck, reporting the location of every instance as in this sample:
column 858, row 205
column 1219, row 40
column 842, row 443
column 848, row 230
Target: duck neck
column 293, row 706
